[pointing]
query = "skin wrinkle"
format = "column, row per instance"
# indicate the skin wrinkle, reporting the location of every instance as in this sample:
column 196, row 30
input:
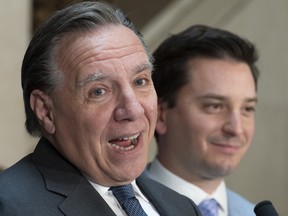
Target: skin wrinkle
column 101, row 76
column 101, row 56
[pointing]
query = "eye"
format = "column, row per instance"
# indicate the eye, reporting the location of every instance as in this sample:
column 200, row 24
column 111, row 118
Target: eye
column 249, row 109
column 141, row 82
column 213, row 107
column 97, row 92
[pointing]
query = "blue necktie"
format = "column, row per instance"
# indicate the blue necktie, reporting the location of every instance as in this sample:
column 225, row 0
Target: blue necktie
column 208, row 207
column 126, row 197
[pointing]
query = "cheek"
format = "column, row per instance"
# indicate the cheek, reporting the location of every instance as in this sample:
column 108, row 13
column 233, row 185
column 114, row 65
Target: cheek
column 150, row 106
column 200, row 126
column 199, row 129
column 197, row 133
column 66, row 119
column 94, row 123
column 249, row 131
column 86, row 122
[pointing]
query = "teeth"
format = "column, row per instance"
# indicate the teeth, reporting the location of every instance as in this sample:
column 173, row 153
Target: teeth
column 123, row 148
column 132, row 138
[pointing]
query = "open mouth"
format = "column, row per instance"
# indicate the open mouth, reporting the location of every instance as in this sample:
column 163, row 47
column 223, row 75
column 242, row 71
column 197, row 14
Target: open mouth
column 125, row 143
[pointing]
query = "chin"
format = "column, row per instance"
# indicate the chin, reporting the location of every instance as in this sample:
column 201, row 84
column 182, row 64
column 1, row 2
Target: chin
column 132, row 172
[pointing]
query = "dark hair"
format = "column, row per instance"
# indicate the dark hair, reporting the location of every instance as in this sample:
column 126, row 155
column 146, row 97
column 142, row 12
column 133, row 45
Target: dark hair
column 171, row 57
column 39, row 68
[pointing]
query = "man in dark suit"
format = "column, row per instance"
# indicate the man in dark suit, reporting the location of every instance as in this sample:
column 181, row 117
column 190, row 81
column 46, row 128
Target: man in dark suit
column 89, row 95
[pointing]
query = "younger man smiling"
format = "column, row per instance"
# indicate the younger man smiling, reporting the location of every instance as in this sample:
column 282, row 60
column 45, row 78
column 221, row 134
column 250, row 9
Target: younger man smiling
column 206, row 81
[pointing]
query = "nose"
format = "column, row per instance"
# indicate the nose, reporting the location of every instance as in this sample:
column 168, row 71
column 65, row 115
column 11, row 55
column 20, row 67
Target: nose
column 129, row 107
column 233, row 125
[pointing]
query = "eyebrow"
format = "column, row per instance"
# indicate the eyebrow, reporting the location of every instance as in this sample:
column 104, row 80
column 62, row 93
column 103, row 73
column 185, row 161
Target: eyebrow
column 92, row 77
column 100, row 75
column 221, row 98
column 142, row 67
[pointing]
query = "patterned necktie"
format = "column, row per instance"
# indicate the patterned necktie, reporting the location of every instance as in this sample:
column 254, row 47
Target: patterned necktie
column 208, row 207
column 126, row 197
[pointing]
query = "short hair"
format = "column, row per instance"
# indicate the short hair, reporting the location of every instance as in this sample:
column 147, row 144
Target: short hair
column 172, row 56
column 39, row 68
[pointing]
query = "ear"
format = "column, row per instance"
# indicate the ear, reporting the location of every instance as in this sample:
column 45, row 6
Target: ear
column 41, row 104
column 161, row 119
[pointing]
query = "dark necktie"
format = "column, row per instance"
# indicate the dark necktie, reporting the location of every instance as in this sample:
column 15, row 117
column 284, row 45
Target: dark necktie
column 208, row 207
column 126, row 197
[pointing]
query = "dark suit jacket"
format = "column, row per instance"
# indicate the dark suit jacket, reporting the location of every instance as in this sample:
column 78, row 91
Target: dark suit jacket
column 44, row 183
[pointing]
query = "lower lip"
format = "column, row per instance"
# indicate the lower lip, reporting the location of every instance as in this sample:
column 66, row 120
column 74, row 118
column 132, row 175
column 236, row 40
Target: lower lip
column 227, row 149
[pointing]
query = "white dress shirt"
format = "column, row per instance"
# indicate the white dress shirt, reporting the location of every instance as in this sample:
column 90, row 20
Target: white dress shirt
column 111, row 200
column 167, row 178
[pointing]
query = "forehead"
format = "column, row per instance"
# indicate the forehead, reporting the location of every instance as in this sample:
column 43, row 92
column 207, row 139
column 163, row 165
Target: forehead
column 108, row 46
column 224, row 76
column 105, row 38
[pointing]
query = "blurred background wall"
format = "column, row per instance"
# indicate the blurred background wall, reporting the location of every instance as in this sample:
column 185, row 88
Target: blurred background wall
column 15, row 17
column 263, row 173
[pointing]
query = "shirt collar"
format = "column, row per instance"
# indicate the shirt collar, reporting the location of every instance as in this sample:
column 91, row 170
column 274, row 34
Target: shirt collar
column 159, row 173
column 102, row 190
column 220, row 195
column 138, row 191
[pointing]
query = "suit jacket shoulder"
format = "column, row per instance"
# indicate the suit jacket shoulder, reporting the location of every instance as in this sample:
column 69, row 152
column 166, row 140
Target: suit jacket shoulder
column 166, row 201
column 238, row 205
column 44, row 183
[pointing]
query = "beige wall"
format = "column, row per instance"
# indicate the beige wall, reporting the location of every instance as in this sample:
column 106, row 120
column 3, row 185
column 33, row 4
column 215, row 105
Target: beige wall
column 15, row 25
column 263, row 173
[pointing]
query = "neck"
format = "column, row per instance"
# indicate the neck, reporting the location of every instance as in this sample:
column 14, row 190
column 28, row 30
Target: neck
column 209, row 185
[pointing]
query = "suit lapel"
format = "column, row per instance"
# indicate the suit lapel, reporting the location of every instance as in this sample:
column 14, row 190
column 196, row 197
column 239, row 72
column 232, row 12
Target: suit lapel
column 85, row 200
column 152, row 196
column 166, row 201
column 79, row 196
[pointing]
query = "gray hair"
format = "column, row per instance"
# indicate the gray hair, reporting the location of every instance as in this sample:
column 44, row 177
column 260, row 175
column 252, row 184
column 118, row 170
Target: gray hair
column 39, row 69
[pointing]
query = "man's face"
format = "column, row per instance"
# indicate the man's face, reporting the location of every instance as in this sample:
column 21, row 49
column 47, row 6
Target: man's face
column 208, row 131
column 104, row 112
